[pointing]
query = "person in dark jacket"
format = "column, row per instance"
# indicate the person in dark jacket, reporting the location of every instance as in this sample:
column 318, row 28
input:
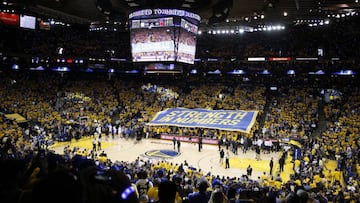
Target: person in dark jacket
column 202, row 196
column 167, row 192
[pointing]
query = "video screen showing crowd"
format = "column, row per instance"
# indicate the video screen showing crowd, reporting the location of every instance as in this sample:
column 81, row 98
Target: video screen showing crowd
column 167, row 38
column 152, row 40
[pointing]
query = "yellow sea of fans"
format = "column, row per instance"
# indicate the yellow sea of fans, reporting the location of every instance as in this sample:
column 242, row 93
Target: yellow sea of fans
column 294, row 108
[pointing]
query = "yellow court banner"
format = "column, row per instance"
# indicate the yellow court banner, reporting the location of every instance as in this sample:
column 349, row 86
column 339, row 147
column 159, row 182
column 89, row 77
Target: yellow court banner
column 295, row 143
column 232, row 120
column 15, row 117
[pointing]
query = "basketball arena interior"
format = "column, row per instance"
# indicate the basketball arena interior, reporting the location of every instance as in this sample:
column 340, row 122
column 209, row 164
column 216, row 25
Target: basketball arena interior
column 179, row 101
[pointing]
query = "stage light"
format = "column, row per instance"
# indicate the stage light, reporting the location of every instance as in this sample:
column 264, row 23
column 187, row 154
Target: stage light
column 15, row 67
column 285, row 14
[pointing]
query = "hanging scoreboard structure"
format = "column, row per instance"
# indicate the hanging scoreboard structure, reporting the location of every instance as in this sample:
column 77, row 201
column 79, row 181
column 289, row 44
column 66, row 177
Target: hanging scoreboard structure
column 163, row 35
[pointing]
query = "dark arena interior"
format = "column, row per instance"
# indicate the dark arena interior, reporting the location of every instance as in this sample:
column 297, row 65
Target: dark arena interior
column 179, row 101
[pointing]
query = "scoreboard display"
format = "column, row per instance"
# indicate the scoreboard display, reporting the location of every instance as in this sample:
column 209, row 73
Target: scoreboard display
column 189, row 26
column 151, row 23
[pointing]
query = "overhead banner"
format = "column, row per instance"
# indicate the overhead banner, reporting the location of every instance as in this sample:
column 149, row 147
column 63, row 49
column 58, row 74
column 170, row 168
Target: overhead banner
column 232, row 120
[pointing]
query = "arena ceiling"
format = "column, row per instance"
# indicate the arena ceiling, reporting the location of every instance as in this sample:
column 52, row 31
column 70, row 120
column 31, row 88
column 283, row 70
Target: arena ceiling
column 212, row 12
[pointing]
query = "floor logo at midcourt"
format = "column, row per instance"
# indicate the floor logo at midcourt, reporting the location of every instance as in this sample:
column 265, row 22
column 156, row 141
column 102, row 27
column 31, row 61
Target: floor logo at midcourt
column 162, row 154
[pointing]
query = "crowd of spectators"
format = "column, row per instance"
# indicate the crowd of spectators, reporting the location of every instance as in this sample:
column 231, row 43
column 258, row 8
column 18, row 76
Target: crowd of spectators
column 294, row 113
column 341, row 140
column 49, row 102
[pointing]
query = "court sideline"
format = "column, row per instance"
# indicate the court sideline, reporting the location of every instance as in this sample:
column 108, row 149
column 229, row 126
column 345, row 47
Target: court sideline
column 207, row 160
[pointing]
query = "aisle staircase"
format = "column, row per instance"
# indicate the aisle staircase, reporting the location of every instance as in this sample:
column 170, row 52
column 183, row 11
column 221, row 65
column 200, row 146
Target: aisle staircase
column 262, row 117
column 321, row 126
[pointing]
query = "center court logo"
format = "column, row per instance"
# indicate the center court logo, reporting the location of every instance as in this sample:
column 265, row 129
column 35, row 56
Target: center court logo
column 161, row 154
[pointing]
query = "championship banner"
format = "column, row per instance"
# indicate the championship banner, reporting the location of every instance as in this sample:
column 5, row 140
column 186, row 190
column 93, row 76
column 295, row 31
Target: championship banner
column 232, row 120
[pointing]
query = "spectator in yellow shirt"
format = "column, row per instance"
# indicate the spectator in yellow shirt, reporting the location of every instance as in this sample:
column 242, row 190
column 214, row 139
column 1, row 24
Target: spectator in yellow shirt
column 153, row 192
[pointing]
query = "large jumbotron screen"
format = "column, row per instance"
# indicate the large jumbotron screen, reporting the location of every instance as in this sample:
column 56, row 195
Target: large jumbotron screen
column 163, row 35
column 152, row 40
column 187, row 42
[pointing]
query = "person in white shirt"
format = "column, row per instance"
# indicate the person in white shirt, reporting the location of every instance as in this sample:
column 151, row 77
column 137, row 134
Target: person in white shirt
column 119, row 131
